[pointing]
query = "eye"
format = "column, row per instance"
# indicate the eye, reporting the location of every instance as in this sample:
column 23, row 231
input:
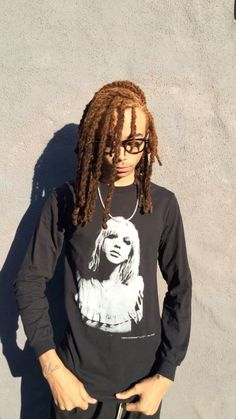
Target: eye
column 127, row 240
column 112, row 236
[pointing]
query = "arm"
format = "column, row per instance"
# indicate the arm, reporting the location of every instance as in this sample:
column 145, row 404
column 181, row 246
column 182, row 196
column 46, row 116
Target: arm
column 176, row 313
column 37, row 268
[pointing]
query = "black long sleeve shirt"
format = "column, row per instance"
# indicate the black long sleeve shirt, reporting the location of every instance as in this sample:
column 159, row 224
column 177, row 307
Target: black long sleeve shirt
column 115, row 334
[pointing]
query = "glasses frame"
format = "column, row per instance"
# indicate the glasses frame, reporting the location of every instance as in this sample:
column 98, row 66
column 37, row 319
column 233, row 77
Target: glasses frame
column 124, row 143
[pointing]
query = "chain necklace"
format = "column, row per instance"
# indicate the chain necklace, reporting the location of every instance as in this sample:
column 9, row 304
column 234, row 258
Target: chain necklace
column 113, row 218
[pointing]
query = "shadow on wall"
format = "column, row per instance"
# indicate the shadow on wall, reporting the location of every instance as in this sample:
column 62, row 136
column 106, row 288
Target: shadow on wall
column 55, row 166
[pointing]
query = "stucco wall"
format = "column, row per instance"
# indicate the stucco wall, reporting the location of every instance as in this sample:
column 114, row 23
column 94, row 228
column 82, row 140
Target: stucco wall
column 54, row 56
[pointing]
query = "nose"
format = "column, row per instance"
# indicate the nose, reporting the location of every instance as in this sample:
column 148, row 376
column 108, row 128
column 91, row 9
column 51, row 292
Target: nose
column 123, row 153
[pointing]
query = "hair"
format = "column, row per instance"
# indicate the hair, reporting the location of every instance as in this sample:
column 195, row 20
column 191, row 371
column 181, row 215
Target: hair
column 129, row 268
column 96, row 125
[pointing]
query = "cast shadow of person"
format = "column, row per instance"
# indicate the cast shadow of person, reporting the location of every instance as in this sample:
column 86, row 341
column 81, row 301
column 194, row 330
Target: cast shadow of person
column 56, row 165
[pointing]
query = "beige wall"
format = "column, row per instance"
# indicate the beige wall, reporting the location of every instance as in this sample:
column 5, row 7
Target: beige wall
column 55, row 55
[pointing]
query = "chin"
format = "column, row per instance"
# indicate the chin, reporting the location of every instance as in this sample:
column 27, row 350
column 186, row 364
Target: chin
column 122, row 175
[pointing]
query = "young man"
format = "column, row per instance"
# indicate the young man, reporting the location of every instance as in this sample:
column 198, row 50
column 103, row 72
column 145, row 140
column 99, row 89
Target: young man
column 118, row 356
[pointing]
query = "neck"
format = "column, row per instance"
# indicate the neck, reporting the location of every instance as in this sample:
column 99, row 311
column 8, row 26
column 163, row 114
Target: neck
column 125, row 181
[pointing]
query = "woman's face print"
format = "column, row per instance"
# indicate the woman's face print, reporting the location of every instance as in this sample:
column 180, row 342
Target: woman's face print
column 111, row 297
column 117, row 247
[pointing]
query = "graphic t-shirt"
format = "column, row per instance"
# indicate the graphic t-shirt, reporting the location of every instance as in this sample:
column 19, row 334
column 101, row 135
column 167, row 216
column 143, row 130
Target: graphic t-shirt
column 115, row 334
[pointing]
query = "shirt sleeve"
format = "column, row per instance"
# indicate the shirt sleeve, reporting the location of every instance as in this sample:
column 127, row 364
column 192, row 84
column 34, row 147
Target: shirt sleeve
column 176, row 313
column 37, row 268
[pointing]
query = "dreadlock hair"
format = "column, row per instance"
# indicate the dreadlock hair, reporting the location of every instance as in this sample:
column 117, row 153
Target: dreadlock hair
column 96, row 126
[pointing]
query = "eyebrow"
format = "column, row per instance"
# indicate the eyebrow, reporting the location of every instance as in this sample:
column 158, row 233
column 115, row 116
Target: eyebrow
column 136, row 135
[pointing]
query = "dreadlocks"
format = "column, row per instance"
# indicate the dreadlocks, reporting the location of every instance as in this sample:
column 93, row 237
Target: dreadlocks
column 96, row 125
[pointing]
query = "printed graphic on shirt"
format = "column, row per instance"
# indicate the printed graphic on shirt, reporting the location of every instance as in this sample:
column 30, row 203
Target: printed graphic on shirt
column 111, row 298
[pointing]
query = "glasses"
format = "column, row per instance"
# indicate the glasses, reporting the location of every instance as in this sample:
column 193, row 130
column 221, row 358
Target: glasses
column 131, row 147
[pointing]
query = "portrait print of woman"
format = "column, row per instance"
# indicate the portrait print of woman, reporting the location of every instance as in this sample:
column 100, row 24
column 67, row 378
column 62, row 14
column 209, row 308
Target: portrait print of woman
column 113, row 296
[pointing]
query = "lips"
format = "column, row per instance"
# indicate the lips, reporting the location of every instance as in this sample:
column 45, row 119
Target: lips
column 114, row 253
column 122, row 168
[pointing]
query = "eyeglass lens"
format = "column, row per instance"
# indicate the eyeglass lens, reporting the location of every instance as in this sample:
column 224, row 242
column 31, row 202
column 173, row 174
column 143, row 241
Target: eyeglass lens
column 136, row 147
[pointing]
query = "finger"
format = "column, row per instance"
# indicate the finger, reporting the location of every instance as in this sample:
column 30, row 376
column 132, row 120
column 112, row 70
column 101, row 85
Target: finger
column 87, row 397
column 68, row 406
column 133, row 407
column 59, row 403
column 83, row 405
column 128, row 393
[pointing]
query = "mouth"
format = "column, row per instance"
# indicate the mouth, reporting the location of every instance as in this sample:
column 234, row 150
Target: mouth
column 114, row 253
column 122, row 168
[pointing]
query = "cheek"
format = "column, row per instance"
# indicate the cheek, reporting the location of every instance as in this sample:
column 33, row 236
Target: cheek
column 104, row 246
column 107, row 160
column 126, row 249
column 138, row 158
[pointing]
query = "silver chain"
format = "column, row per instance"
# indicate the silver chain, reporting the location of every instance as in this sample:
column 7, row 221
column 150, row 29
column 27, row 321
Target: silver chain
column 113, row 218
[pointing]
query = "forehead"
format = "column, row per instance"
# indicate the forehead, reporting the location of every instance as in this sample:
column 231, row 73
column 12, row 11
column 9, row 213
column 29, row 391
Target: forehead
column 141, row 121
column 119, row 230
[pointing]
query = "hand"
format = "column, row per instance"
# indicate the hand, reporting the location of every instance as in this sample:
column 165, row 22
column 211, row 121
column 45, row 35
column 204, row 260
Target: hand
column 67, row 390
column 150, row 391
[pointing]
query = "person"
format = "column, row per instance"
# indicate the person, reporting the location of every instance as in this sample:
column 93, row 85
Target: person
column 119, row 354
column 111, row 303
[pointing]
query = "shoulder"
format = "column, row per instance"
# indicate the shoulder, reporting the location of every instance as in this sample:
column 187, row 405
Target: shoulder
column 64, row 194
column 65, row 190
column 61, row 202
column 161, row 194
column 158, row 189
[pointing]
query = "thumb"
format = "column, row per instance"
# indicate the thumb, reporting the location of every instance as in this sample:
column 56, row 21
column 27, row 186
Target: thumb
column 127, row 393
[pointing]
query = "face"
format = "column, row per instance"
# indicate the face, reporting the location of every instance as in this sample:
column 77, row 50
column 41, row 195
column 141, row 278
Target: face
column 127, row 162
column 117, row 246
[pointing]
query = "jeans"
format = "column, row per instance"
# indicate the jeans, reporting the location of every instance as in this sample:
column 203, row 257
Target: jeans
column 101, row 410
